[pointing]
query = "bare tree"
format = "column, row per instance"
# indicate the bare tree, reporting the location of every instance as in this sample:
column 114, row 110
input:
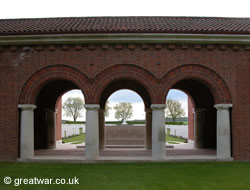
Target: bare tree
column 174, row 109
column 73, row 107
column 124, row 111
column 107, row 109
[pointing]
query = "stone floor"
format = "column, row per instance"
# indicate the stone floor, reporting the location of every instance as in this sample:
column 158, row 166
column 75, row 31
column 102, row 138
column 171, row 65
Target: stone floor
column 71, row 154
column 119, row 152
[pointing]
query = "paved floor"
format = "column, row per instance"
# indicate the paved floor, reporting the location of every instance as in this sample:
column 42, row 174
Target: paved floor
column 64, row 146
column 70, row 153
column 124, row 152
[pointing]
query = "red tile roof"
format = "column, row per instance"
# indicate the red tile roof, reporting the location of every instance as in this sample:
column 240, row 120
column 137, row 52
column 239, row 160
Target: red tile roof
column 80, row 25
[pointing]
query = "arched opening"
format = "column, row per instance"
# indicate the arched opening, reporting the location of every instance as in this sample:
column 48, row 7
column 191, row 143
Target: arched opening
column 178, row 128
column 38, row 100
column 124, row 120
column 47, row 118
column 132, row 134
column 202, row 118
column 71, row 120
column 212, row 103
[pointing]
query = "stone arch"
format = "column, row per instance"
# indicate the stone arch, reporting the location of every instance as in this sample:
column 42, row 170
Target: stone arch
column 130, row 73
column 206, row 76
column 48, row 74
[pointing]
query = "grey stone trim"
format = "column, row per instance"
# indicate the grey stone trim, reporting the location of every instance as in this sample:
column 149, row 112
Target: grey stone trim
column 92, row 106
column 158, row 106
column 125, row 38
column 26, row 106
column 223, row 106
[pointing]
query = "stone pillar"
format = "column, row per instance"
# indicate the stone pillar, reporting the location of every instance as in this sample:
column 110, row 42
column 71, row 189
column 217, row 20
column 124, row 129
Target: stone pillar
column 199, row 127
column 223, row 130
column 102, row 129
column 92, row 132
column 50, row 120
column 27, row 131
column 148, row 127
column 158, row 131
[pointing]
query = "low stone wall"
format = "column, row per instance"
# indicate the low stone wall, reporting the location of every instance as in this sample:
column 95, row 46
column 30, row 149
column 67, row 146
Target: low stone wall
column 178, row 130
column 125, row 135
column 69, row 130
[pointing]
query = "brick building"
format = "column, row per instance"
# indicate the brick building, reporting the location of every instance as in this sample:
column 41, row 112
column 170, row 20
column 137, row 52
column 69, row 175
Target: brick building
column 207, row 58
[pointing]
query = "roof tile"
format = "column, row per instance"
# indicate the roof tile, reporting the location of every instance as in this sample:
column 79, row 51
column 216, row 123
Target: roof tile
column 213, row 25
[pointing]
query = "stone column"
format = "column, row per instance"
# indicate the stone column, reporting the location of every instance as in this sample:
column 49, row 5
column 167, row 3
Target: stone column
column 158, row 131
column 223, row 130
column 148, row 127
column 92, row 132
column 27, row 131
column 199, row 127
column 101, row 129
column 50, row 115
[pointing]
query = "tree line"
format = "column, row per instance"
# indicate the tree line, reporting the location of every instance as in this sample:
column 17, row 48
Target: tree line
column 73, row 107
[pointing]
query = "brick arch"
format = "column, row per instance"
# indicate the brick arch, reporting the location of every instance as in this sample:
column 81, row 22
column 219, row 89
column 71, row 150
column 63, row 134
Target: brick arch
column 185, row 92
column 139, row 75
column 47, row 74
column 206, row 76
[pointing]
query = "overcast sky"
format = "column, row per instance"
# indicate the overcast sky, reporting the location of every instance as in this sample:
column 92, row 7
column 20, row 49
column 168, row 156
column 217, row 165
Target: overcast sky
column 127, row 96
column 72, row 8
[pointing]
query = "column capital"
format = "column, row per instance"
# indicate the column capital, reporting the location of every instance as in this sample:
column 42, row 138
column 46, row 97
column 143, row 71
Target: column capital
column 223, row 106
column 92, row 106
column 158, row 106
column 27, row 106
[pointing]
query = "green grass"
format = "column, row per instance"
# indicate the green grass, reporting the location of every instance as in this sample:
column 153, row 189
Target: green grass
column 172, row 142
column 169, row 138
column 77, row 142
column 78, row 138
column 176, row 123
column 74, row 122
column 140, row 176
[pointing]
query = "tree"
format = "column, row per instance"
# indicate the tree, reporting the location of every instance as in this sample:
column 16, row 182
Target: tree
column 73, row 107
column 124, row 111
column 107, row 109
column 174, row 109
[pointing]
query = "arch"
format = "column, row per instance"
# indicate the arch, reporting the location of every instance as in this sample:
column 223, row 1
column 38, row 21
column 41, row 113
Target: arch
column 45, row 75
column 185, row 92
column 206, row 76
column 125, row 84
column 130, row 74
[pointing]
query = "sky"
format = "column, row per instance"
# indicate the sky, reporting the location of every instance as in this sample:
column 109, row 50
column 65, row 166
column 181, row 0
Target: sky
column 76, row 8
column 10, row 9
column 127, row 96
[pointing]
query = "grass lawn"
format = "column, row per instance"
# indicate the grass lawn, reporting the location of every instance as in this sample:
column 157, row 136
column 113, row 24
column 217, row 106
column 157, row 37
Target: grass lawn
column 76, row 139
column 170, row 139
column 145, row 176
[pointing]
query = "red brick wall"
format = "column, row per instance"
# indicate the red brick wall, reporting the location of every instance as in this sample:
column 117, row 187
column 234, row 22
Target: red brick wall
column 155, row 67
column 190, row 119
